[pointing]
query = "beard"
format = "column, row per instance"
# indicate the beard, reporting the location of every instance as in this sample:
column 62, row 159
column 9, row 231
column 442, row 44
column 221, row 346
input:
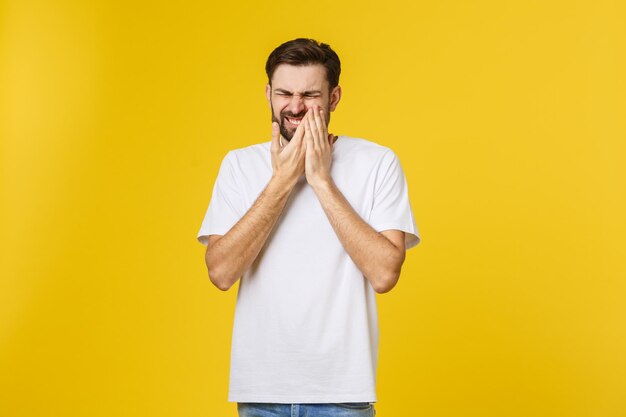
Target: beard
column 284, row 131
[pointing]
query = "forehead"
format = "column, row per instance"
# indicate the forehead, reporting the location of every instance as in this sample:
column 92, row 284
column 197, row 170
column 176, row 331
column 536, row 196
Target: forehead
column 300, row 78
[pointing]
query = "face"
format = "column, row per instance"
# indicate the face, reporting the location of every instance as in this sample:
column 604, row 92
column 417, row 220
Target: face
column 295, row 89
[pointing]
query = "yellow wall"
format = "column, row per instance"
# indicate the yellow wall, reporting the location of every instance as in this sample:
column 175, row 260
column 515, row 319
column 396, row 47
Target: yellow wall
column 508, row 117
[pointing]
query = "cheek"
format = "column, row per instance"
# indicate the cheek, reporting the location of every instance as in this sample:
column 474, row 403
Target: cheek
column 308, row 104
column 280, row 107
column 276, row 109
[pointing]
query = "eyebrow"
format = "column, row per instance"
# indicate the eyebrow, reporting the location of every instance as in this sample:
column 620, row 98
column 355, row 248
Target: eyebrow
column 282, row 90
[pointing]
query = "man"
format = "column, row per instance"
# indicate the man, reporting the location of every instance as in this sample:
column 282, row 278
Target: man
column 315, row 225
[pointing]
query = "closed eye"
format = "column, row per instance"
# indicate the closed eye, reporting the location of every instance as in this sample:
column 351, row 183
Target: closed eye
column 306, row 95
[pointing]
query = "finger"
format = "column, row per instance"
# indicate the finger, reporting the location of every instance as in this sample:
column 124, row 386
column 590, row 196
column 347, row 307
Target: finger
column 311, row 130
column 321, row 128
column 275, row 138
column 299, row 133
column 319, row 122
column 305, row 124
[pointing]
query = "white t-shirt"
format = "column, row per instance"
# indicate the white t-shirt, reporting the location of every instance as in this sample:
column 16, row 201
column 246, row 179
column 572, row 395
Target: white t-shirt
column 306, row 325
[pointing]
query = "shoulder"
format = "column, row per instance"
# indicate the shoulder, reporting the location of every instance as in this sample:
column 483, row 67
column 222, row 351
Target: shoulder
column 252, row 156
column 256, row 151
column 361, row 144
column 249, row 164
column 355, row 149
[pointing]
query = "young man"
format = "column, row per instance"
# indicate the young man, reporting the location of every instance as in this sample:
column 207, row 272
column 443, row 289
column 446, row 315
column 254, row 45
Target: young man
column 315, row 225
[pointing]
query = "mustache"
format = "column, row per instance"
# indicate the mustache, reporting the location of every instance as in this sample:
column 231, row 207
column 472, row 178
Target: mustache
column 295, row 116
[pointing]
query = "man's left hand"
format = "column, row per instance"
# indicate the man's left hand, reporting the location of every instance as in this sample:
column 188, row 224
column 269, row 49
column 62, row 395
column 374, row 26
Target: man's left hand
column 319, row 148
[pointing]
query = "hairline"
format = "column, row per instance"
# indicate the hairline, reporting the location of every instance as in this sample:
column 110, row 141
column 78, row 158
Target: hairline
column 306, row 64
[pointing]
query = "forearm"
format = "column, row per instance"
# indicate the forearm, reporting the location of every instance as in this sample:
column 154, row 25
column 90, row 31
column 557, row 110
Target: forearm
column 377, row 257
column 231, row 255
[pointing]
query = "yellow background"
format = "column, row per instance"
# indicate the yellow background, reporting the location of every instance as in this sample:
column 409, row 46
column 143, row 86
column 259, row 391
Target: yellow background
column 509, row 120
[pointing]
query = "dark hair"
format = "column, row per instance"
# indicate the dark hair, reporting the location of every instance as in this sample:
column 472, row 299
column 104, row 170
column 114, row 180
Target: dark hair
column 303, row 51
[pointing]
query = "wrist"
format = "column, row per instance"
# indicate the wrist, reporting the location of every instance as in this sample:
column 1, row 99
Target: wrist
column 283, row 181
column 323, row 184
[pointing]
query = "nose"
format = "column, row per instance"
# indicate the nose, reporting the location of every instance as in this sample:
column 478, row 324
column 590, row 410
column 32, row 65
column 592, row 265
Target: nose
column 296, row 105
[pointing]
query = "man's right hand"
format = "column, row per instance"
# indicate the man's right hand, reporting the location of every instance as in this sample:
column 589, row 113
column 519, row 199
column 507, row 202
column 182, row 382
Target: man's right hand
column 229, row 256
column 288, row 159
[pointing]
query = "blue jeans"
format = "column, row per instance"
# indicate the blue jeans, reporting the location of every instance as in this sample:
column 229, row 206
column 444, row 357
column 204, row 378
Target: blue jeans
column 306, row 410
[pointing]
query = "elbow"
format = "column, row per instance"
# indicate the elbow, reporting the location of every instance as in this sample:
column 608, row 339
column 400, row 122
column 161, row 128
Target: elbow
column 219, row 270
column 386, row 283
column 222, row 282
column 217, row 277
column 388, row 278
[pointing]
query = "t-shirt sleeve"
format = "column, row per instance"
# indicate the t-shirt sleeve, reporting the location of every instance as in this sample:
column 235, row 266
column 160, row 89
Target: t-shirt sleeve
column 225, row 208
column 391, row 206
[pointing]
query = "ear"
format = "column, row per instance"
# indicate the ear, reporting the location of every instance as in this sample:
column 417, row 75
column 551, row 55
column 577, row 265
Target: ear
column 268, row 93
column 335, row 96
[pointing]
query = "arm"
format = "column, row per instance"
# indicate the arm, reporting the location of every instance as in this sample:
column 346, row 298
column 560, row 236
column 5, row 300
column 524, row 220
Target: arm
column 229, row 256
column 378, row 255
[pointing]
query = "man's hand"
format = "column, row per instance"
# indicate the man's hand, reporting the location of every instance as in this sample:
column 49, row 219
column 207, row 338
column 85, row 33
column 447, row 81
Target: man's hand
column 229, row 256
column 378, row 255
column 319, row 147
column 288, row 159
